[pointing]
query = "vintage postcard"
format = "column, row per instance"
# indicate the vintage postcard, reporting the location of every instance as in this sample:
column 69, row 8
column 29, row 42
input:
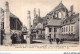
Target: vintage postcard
column 39, row 25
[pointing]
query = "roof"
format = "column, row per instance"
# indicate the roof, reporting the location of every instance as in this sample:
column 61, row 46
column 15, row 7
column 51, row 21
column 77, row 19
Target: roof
column 73, row 16
column 12, row 15
column 60, row 6
column 15, row 17
column 71, row 20
column 39, row 26
column 54, row 22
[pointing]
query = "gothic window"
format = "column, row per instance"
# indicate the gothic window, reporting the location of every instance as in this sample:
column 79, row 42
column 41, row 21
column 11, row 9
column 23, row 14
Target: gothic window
column 59, row 14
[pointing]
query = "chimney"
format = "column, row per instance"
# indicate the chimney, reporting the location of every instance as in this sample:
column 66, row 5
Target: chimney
column 34, row 12
column 71, row 9
column 39, row 12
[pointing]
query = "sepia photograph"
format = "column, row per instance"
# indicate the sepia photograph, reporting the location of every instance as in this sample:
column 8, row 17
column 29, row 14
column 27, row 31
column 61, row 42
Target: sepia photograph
column 50, row 25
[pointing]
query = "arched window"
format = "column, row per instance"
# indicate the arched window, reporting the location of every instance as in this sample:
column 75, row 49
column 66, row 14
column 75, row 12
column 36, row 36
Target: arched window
column 59, row 14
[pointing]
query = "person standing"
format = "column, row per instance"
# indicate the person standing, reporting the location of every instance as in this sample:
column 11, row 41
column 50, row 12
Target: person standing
column 50, row 40
column 57, row 40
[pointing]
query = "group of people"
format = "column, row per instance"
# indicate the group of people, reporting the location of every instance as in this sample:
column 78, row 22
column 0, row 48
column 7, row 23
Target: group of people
column 57, row 40
column 17, row 39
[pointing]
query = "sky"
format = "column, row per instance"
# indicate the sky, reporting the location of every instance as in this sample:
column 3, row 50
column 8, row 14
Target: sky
column 20, row 8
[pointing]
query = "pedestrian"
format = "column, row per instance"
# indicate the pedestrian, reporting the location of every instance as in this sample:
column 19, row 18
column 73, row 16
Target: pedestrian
column 50, row 40
column 61, row 41
column 57, row 40
column 13, row 37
